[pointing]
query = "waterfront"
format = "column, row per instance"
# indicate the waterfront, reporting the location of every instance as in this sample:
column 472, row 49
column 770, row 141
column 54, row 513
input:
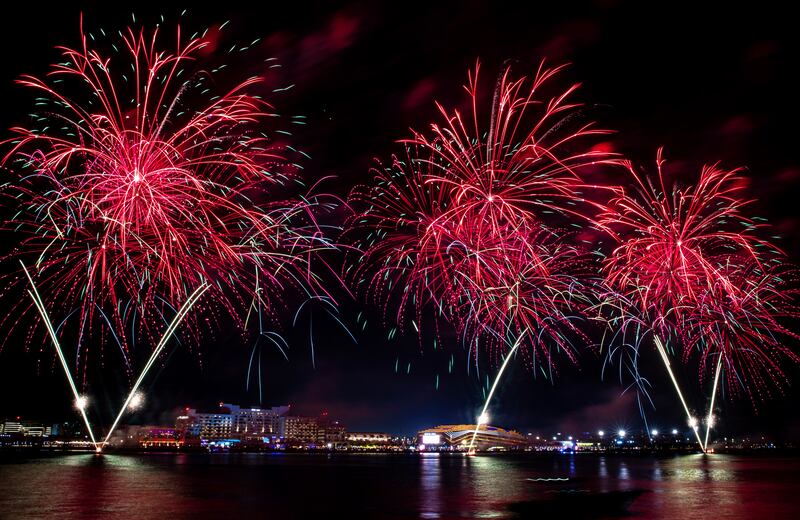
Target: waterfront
column 386, row 486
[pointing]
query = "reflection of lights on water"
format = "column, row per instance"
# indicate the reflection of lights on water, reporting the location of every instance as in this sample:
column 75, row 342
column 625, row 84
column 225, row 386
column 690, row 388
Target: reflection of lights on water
column 430, row 486
column 623, row 471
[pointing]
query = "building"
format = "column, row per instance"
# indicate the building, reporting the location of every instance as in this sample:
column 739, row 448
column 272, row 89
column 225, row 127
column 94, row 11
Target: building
column 9, row 427
column 256, row 422
column 256, row 427
column 368, row 438
column 330, row 433
column 146, row 436
column 459, row 437
column 208, row 425
column 25, row 429
column 231, row 421
column 159, row 437
column 36, row 430
column 299, row 430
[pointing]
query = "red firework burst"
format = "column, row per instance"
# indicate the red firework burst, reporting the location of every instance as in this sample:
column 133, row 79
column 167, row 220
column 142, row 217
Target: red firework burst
column 526, row 163
column 689, row 265
column 141, row 182
column 459, row 224
column 530, row 286
column 674, row 242
column 744, row 332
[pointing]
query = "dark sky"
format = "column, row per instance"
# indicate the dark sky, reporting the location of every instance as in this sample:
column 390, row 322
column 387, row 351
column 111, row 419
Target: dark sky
column 708, row 86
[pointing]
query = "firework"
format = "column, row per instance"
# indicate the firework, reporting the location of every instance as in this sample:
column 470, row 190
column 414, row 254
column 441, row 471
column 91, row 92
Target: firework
column 144, row 183
column 522, row 281
column 742, row 334
column 528, row 162
column 679, row 268
column 460, row 224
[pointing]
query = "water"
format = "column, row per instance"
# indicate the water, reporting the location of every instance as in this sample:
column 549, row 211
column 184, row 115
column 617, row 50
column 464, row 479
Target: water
column 230, row 486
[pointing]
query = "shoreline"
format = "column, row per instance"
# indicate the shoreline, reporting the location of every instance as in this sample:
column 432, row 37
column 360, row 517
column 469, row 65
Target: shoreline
column 45, row 452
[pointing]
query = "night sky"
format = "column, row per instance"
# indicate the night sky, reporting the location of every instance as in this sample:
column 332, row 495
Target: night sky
column 708, row 87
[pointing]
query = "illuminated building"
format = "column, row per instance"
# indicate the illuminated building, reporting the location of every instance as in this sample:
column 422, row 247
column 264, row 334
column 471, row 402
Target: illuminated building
column 159, row 437
column 255, row 422
column 299, row 429
column 231, row 421
column 207, row 425
column 36, row 431
column 25, row 429
column 146, row 436
column 11, row 427
column 256, row 426
column 459, row 436
column 367, row 438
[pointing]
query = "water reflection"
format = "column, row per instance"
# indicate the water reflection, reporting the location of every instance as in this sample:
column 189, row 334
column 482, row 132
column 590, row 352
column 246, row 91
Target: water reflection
column 430, row 480
column 200, row 486
column 623, row 471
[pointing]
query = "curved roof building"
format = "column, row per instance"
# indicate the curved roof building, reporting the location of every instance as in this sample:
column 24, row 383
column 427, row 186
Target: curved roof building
column 459, row 436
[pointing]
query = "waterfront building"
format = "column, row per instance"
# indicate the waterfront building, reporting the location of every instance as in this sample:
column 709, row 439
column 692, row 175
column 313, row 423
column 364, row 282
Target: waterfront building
column 299, row 429
column 255, row 422
column 36, row 430
column 368, row 438
column 209, row 425
column 11, row 427
column 25, row 429
column 459, row 436
column 231, row 421
column 330, row 433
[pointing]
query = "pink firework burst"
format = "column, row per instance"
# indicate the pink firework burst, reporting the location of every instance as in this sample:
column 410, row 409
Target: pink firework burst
column 526, row 285
column 672, row 243
column 459, row 224
column 688, row 265
column 745, row 333
column 142, row 181
column 528, row 162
